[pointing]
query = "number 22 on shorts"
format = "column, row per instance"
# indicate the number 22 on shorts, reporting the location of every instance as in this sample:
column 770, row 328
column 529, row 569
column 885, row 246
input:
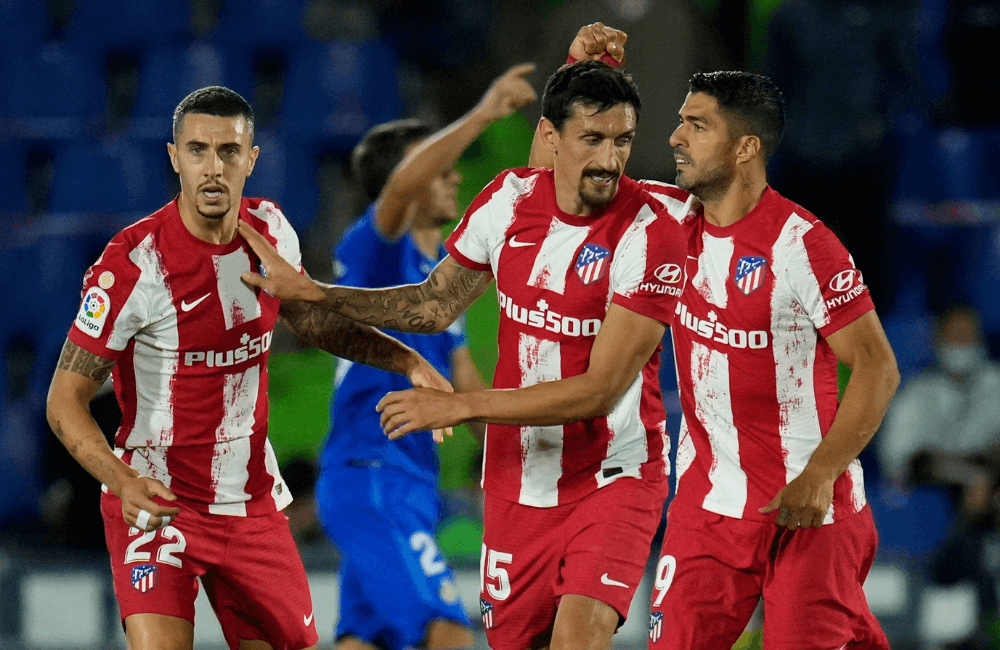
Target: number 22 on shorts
column 165, row 554
column 664, row 576
column 494, row 579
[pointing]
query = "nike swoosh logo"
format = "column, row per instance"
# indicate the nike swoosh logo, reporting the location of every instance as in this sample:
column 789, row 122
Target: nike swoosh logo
column 188, row 306
column 308, row 619
column 513, row 243
column 605, row 580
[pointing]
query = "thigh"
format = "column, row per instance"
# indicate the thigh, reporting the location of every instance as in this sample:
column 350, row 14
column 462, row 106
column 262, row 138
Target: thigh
column 708, row 581
column 260, row 590
column 813, row 594
column 609, row 535
column 519, row 572
column 384, row 526
column 156, row 572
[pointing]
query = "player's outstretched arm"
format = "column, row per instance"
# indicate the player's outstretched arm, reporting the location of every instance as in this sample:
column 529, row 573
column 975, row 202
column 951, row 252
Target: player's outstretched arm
column 622, row 347
column 861, row 346
column 427, row 308
column 77, row 377
column 435, row 155
column 593, row 42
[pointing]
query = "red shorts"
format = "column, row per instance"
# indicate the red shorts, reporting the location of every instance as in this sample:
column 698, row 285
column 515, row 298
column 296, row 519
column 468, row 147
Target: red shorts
column 596, row 547
column 249, row 567
column 714, row 569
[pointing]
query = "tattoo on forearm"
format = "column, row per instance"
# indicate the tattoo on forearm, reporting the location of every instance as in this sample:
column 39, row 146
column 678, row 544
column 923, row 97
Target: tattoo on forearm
column 76, row 359
column 424, row 308
column 325, row 329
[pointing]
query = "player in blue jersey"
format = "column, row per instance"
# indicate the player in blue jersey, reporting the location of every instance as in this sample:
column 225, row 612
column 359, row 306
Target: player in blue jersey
column 378, row 498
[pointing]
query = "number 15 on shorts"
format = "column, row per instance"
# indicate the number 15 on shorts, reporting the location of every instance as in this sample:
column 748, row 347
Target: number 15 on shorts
column 493, row 578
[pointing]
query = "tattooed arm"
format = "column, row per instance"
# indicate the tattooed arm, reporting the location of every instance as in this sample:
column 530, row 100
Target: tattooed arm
column 428, row 307
column 78, row 376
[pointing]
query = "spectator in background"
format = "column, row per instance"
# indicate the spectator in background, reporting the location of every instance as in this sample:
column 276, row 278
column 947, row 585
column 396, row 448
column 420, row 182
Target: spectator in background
column 845, row 69
column 944, row 429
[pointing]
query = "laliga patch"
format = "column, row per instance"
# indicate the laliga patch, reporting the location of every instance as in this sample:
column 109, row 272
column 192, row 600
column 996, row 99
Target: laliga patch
column 106, row 280
column 144, row 577
column 93, row 311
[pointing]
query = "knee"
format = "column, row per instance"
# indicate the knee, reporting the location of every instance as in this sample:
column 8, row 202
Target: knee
column 443, row 634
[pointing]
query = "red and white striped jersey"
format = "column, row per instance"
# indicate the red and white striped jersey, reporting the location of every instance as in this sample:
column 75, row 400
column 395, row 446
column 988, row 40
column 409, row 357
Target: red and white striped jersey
column 758, row 381
column 190, row 341
column 556, row 276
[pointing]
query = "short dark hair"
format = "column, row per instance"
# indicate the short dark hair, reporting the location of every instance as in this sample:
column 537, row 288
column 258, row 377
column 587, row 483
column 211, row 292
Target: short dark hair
column 214, row 100
column 593, row 83
column 381, row 149
column 752, row 100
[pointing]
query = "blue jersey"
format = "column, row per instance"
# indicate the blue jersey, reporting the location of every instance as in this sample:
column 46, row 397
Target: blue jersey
column 364, row 258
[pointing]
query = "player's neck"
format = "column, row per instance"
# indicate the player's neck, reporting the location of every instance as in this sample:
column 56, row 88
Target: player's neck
column 427, row 239
column 742, row 196
column 219, row 231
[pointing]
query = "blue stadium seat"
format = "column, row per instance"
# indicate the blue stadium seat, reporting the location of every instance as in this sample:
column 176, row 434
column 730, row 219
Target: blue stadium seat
column 13, row 173
column 254, row 24
column 28, row 25
column 169, row 72
column 53, row 91
column 337, row 90
column 113, row 24
column 911, row 523
column 911, row 335
column 117, row 177
column 947, row 165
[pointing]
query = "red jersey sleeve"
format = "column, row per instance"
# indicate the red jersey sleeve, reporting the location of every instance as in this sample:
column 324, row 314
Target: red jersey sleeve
column 113, row 307
column 834, row 293
column 647, row 274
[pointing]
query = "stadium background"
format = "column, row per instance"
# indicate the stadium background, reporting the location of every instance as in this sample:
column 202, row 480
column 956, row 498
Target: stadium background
column 888, row 141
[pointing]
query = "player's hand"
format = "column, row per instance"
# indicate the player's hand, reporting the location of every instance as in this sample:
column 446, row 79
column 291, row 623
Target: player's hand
column 594, row 41
column 282, row 280
column 802, row 503
column 416, row 409
column 508, row 92
column 138, row 507
column 423, row 375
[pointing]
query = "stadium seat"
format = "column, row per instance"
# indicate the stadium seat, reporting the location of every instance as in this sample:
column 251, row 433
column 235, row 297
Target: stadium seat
column 115, row 177
column 31, row 20
column 911, row 523
column 13, row 174
column 115, row 24
column 337, row 90
column 53, row 91
column 261, row 24
column 169, row 72
column 911, row 335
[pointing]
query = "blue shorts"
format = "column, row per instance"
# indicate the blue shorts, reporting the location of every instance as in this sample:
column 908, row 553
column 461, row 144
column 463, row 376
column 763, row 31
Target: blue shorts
column 393, row 579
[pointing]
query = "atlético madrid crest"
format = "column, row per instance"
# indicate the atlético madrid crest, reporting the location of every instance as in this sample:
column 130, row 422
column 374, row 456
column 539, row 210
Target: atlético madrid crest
column 655, row 626
column 592, row 263
column 750, row 273
column 144, row 577
column 486, row 610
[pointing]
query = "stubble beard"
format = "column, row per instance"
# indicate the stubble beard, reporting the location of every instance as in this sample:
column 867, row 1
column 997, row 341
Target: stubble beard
column 710, row 186
column 595, row 201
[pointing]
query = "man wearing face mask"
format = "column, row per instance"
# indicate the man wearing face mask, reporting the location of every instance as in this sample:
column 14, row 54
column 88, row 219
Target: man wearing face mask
column 944, row 429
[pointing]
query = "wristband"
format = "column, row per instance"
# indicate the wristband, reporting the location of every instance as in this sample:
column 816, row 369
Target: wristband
column 607, row 58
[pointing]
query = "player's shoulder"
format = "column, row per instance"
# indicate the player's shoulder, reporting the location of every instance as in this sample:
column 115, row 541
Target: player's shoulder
column 676, row 201
column 266, row 217
column 520, row 179
column 144, row 233
column 811, row 227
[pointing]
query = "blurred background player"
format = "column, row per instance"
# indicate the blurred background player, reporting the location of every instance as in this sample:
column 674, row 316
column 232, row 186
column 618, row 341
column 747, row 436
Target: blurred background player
column 378, row 498
column 588, row 272
column 192, row 488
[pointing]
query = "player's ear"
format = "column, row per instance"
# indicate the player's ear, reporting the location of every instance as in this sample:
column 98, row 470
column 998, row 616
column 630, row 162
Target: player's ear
column 548, row 132
column 172, row 152
column 747, row 148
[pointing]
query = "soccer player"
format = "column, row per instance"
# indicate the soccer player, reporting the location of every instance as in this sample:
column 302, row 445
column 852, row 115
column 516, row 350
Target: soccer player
column 192, row 488
column 378, row 498
column 770, row 495
column 587, row 267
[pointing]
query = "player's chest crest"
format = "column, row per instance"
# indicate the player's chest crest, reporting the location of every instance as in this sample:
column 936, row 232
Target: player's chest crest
column 592, row 263
column 750, row 273
column 559, row 257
